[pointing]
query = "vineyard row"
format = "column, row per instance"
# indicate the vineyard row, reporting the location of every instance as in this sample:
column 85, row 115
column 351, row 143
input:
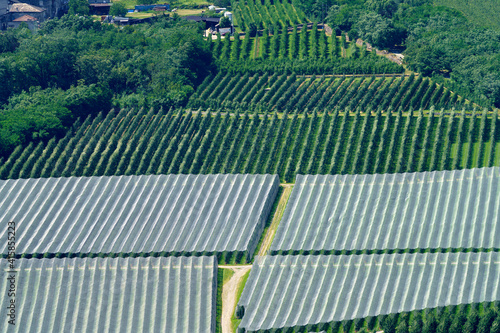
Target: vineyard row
column 287, row 93
column 303, row 44
column 264, row 13
column 135, row 143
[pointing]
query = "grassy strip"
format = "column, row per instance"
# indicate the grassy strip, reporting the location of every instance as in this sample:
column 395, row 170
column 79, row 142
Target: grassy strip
column 220, row 283
column 497, row 153
column 228, row 273
column 270, row 218
column 278, row 214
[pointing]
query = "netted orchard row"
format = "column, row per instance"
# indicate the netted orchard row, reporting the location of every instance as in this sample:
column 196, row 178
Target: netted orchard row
column 281, row 92
column 261, row 14
column 299, row 44
column 464, row 318
column 195, row 142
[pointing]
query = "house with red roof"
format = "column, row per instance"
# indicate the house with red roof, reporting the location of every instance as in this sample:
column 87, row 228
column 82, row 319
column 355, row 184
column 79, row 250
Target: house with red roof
column 31, row 21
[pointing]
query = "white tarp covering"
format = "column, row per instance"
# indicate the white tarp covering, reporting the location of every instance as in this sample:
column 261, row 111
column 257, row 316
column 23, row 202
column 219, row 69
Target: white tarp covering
column 290, row 291
column 138, row 214
column 112, row 295
column 428, row 210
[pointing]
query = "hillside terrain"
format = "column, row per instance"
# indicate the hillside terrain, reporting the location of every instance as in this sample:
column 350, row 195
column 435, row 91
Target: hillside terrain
column 288, row 178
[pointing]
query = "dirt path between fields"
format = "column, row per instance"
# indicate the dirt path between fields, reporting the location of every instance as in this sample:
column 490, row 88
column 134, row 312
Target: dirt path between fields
column 229, row 291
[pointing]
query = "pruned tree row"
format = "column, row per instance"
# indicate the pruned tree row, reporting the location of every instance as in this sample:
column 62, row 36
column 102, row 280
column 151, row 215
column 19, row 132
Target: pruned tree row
column 252, row 15
column 304, row 141
column 289, row 92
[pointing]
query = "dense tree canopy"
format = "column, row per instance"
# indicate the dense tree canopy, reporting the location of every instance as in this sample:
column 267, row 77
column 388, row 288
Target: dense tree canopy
column 225, row 22
column 74, row 66
column 118, row 9
column 80, row 7
column 437, row 41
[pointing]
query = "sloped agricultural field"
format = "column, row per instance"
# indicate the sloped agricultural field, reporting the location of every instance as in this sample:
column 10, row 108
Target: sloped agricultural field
column 266, row 13
column 302, row 291
column 309, row 51
column 431, row 210
column 192, row 142
column 133, row 215
column 281, row 92
column 113, row 295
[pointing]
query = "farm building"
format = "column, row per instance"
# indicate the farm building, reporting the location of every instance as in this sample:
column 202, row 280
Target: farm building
column 27, row 19
column 100, row 8
column 4, row 7
column 216, row 9
column 13, row 13
column 210, row 22
column 20, row 9
column 142, row 8
column 4, row 14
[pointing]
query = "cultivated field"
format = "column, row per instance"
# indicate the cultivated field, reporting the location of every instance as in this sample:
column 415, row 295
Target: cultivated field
column 303, row 49
column 391, row 224
column 310, row 293
column 282, row 92
column 196, row 142
column 139, row 215
column 266, row 13
column 391, row 212
column 113, row 295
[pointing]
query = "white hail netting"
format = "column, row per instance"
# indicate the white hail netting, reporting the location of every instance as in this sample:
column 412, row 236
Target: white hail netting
column 289, row 291
column 429, row 210
column 175, row 294
column 138, row 214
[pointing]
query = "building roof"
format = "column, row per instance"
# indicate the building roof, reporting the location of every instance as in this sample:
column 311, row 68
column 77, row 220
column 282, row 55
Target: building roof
column 25, row 8
column 25, row 18
column 193, row 18
column 100, row 4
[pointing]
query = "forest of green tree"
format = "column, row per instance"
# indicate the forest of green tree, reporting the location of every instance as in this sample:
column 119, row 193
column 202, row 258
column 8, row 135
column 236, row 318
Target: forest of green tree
column 74, row 67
